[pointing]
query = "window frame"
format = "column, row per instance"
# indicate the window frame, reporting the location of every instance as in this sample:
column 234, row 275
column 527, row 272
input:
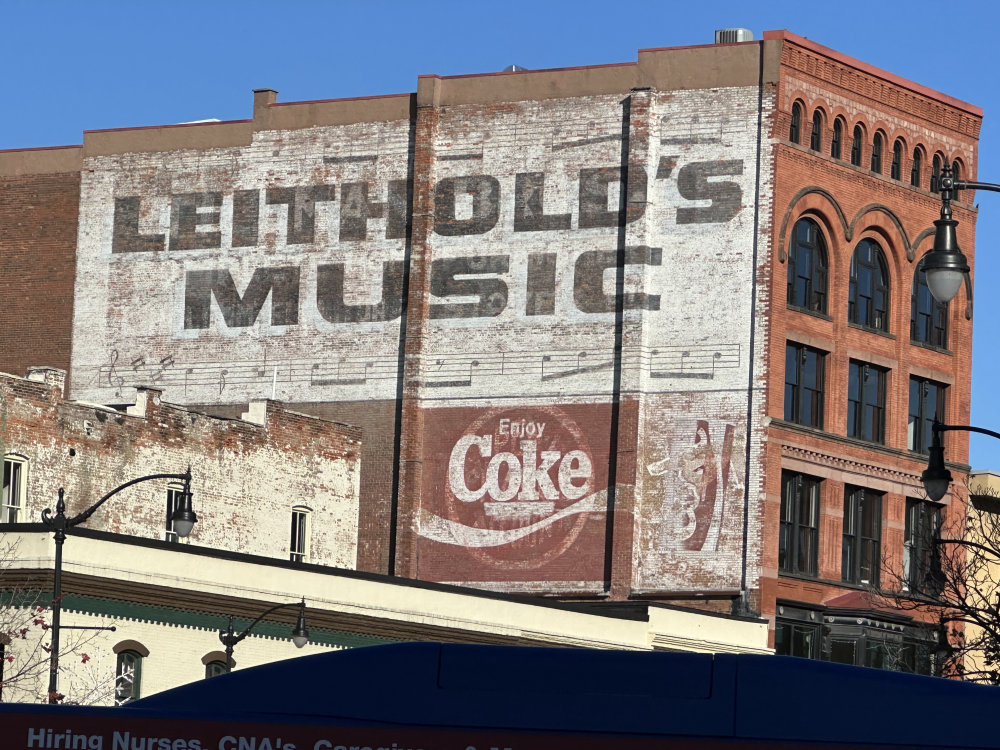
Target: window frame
column 861, row 549
column 856, row 141
column 135, row 687
column 299, row 548
column 921, row 525
column 175, row 493
column 916, row 167
column 919, row 421
column 896, row 167
column 876, row 161
column 795, row 125
column 866, row 417
column 804, row 401
column 215, row 668
column 869, row 262
column 935, row 173
column 928, row 316
column 12, row 510
column 798, row 538
column 808, row 247
column 837, row 141
column 816, row 135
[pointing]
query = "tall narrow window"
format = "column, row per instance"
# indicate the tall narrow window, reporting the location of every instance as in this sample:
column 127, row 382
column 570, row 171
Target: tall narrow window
column 862, row 545
column 868, row 291
column 807, row 267
column 915, row 168
column 14, row 480
column 856, row 146
column 174, row 495
column 866, row 402
column 928, row 316
column 837, row 142
column 923, row 521
column 877, row 153
column 926, row 404
column 795, row 127
column 128, row 677
column 935, row 173
column 956, row 171
column 816, row 137
column 804, row 385
column 798, row 536
column 896, row 169
column 299, row 547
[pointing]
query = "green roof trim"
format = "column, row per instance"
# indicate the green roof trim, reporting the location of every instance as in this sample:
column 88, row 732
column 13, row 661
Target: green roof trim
column 172, row 616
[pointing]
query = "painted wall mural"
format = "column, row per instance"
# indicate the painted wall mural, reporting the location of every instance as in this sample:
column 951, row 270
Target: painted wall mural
column 276, row 270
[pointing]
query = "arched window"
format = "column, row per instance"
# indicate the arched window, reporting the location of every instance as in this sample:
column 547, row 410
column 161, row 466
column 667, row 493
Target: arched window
column 896, row 170
column 935, row 172
column 795, row 128
column 215, row 668
column 859, row 136
column 868, row 300
column 836, row 144
column 928, row 317
column 128, row 677
column 877, row 153
column 816, row 137
column 915, row 169
column 807, row 267
column 956, row 171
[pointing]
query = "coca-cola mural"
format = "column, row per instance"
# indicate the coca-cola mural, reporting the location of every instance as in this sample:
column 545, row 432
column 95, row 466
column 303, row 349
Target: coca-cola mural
column 517, row 493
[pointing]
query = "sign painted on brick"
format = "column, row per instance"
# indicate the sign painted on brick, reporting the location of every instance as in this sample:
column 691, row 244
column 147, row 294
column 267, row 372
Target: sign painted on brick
column 279, row 269
column 516, row 494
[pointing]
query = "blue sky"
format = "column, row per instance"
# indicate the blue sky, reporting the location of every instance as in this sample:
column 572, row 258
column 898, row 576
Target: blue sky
column 73, row 66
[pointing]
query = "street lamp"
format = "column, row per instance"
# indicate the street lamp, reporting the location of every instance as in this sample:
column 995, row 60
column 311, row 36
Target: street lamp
column 944, row 264
column 183, row 519
column 300, row 633
column 936, row 476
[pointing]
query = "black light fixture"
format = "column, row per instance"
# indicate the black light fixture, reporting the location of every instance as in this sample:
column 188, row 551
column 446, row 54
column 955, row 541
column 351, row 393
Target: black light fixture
column 944, row 264
column 936, row 476
column 184, row 519
column 300, row 633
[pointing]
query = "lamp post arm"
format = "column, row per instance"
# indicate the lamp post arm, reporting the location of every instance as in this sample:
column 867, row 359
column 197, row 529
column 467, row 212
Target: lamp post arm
column 232, row 639
column 937, row 427
column 81, row 517
column 970, row 185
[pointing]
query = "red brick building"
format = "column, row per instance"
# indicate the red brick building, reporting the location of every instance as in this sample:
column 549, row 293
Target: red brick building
column 651, row 330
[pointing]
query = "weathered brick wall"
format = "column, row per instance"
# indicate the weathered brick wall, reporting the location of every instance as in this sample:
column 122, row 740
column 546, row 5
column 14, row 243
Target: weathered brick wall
column 246, row 477
column 38, row 224
column 576, row 257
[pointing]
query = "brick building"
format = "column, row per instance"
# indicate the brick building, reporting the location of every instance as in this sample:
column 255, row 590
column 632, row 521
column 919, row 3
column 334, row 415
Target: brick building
column 643, row 331
column 254, row 479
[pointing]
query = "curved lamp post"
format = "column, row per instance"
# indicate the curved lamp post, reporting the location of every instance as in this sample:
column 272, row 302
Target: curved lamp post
column 184, row 519
column 936, row 476
column 945, row 264
column 300, row 633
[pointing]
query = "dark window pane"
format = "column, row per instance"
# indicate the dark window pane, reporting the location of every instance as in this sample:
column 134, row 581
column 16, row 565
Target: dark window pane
column 815, row 138
column 856, row 146
column 796, row 123
column 868, row 290
column 915, row 169
column 807, row 267
column 838, row 137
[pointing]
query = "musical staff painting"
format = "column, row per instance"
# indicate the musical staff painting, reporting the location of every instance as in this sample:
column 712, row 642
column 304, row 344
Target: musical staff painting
column 439, row 371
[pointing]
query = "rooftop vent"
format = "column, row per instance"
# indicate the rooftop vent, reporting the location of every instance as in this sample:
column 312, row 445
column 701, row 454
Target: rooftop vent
column 513, row 69
column 730, row 36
